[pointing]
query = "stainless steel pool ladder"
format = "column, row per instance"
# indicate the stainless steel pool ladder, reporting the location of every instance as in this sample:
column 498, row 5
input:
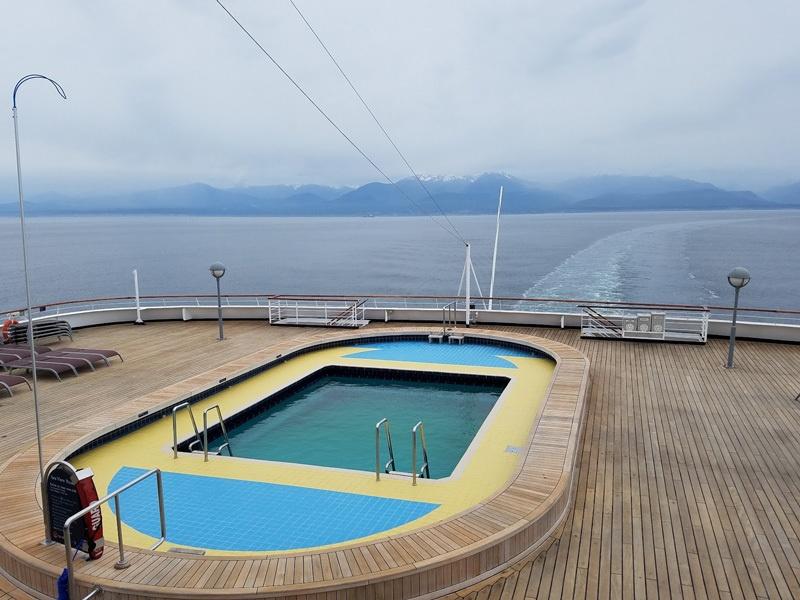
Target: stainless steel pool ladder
column 227, row 443
column 425, row 471
column 449, row 316
column 175, row 410
column 383, row 423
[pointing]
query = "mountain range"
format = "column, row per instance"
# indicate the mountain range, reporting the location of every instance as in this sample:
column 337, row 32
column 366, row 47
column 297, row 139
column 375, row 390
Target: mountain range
column 453, row 195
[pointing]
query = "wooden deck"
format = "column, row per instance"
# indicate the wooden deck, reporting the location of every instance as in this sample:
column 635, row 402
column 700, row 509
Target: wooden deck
column 689, row 478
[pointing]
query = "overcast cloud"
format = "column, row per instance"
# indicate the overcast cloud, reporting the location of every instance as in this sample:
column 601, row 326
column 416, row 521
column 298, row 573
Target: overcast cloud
column 167, row 93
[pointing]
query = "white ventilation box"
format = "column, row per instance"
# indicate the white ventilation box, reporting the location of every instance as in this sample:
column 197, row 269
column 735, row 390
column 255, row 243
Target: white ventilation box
column 658, row 321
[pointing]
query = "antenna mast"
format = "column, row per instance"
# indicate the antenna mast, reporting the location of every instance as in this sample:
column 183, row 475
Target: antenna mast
column 494, row 255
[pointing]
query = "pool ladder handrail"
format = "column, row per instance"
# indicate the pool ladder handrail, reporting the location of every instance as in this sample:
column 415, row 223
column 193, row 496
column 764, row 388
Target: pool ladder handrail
column 175, row 410
column 425, row 471
column 390, row 466
column 449, row 316
column 122, row 563
column 227, row 443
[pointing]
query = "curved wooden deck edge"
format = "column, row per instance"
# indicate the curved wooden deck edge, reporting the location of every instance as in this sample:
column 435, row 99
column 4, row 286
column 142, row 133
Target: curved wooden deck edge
column 441, row 558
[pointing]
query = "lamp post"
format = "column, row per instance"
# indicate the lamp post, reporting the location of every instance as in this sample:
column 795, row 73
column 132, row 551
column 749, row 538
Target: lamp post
column 738, row 278
column 218, row 270
column 14, row 115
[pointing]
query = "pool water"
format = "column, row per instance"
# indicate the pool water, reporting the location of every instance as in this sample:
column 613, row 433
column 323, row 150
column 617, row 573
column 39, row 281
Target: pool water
column 330, row 422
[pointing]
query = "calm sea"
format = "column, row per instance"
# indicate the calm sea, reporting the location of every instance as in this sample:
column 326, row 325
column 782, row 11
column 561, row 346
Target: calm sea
column 680, row 257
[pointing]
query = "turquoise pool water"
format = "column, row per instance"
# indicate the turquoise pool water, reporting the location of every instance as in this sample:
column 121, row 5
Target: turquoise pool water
column 330, row 422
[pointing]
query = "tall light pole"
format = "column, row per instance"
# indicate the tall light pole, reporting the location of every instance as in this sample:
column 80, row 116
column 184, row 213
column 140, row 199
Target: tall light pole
column 738, row 278
column 61, row 93
column 218, row 270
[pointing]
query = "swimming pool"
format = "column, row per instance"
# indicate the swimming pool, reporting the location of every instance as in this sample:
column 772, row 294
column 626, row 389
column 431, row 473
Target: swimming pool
column 329, row 420
column 303, row 437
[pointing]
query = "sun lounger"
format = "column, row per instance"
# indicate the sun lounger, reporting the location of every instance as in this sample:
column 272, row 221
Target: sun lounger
column 13, row 354
column 56, row 361
column 9, row 381
column 92, row 351
column 75, row 359
column 56, row 367
column 22, row 349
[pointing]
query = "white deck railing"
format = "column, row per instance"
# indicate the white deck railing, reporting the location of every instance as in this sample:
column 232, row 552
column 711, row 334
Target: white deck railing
column 761, row 323
column 600, row 321
column 313, row 311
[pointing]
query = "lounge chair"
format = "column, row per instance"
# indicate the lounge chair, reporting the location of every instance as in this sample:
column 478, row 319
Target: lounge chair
column 13, row 354
column 22, row 350
column 9, row 381
column 91, row 351
column 76, row 359
column 56, row 367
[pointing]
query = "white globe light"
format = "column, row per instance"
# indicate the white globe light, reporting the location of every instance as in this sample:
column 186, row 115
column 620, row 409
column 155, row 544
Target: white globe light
column 739, row 277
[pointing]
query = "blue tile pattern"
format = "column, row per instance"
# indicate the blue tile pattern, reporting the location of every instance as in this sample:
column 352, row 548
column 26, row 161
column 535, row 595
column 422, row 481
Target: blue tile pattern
column 470, row 354
column 233, row 514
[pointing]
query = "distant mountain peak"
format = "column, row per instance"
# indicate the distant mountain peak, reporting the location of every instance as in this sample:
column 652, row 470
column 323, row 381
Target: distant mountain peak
column 469, row 194
column 444, row 178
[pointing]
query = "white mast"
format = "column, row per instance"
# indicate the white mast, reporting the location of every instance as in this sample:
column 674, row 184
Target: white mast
column 494, row 255
column 138, row 320
column 468, row 273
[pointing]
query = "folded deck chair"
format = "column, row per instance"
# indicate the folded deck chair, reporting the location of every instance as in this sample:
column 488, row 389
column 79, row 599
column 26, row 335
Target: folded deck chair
column 57, row 367
column 9, row 381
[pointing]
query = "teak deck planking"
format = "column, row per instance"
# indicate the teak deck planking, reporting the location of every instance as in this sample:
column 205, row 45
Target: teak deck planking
column 688, row 482
column 449, row 553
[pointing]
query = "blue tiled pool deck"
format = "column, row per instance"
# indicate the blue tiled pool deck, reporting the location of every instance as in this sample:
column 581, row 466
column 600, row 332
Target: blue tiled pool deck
column 232, row 514
column 469, row 354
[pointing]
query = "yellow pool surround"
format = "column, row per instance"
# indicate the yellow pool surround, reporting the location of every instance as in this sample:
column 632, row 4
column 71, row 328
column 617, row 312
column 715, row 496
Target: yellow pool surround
column 496, row 508
column 486, row 467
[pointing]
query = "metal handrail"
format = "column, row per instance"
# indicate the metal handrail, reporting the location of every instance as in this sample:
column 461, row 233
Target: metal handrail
column 122, row 563
column 175, row 410
column 425, row 471
column 605, row 321
column 385, row 424
column 449, row 315
column 227, row 443
column 405, row 298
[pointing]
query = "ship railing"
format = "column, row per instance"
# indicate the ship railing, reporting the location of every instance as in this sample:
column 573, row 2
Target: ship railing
column 557, row 306
column 603, row 321
column 345, row 312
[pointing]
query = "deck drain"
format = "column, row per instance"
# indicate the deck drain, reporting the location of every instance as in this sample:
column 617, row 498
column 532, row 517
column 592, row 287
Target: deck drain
column 513, row 449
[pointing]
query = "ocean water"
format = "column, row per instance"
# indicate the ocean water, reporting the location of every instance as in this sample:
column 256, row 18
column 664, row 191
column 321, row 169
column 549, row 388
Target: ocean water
column 670, row 257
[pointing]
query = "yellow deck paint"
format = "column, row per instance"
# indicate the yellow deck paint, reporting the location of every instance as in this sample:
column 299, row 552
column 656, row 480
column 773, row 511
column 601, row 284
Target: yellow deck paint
column 484, row 469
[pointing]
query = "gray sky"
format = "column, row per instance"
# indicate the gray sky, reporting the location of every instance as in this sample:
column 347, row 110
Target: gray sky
column 167, row 93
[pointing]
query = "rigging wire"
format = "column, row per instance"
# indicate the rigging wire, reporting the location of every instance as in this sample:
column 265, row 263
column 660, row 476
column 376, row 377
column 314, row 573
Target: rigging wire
column 333, row 123
column 377, row 121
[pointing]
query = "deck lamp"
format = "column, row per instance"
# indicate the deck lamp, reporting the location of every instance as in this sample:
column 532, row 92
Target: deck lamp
column 738, row 278
column 218, row 270
column 35, row 386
